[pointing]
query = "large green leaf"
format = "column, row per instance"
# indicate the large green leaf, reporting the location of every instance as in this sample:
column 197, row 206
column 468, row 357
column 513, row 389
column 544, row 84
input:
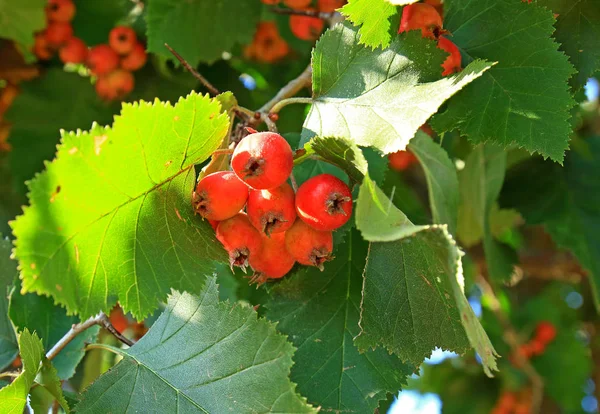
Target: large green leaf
column 320, row 312
column 215, row 25
column 578, row 32
column 19, row 19
column 378, row 98
column 201, row 355
column 525, row 98
column 8, row 271
column 567, row 202
column 374, row 19
column 413, row 298
column 14, row 396
column 480, row 184
column 50, row 322
column 111, row 217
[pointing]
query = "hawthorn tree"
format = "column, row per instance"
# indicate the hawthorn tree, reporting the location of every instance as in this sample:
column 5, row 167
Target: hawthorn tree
column 416, row 159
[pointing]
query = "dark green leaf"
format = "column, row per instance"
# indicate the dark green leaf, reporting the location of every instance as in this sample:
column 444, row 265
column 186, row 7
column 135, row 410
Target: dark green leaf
column 343, row 153
column 20, row 19
column 105, row 15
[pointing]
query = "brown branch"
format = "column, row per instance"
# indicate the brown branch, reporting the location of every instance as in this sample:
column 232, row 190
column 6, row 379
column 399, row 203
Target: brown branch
column 512, row 339
column 289, row 90
column 213, row 91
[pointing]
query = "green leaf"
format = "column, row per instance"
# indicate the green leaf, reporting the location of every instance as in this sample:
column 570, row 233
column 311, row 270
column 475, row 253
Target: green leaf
column 373, row 17
column 342, row 153
column 14, row 396
column 111, row 218
column 525, row 98
column 413, row 298
column 19, row 19
column 320, row 311
column 201, row 355
column 378, row 98
column 578, row 32
column 567, row 202
column 41, row 110
column 39, row 314
column 442, row 181
column 480, row 184
column 215, row 26
column 8, row 272
column 105, row 15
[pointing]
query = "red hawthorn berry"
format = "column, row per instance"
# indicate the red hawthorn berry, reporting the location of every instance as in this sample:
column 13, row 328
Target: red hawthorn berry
column 41, row 48
column 74, row 51
column 421, row 16
column 545, row 332
column 525, row 350
column 136, row 59
column 507, row 400
column 213, row 224
column 263, row 160
column 536, row 347
column 452, row 63
column 324, row 202
column 122, row 39
column 57, row 33
column 273, row 261
column 102, row 60
column 115, row 85
column 329, row 6
column 239, row 237
column 273, row 210
column 401, row 160
column 267, row 44
column 522, row 408
column 17, row 362
column 60, row 10
column 438, row 4
column 306, row 27
column 308, row 246
column 118, row 319
column 297, row 4
column 219, row 196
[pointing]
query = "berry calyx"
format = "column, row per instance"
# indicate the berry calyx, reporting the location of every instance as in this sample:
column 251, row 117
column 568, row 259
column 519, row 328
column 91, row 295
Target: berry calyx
column 263, row 160
column 136, row 59
column 324, row 202
column 241, row 240
column 273, row 261
column 424, row 17
column 57, row 33
column 272, row 211
column 219, row 196
column 74, row 51
column 452, row 64
column 401, row 160
column 545, row 332
column 308, row 246
column 122, row 39
column 102, row 60
column 60, row 10
column 306, row 27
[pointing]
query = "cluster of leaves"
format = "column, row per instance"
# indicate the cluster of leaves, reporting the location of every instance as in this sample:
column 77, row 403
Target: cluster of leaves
column 110, row 221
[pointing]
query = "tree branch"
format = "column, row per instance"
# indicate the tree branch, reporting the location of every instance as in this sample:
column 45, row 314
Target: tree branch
column 101, row 319
column 213, row 91
column 289, row 90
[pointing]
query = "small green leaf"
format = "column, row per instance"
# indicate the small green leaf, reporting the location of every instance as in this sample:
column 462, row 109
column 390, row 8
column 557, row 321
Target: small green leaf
column 320, row 311
column 19, row 19
column 8, row 272
column 111, row 218
column 373, row 17
column 378, row 98
column 201, row 355
column 215, row 26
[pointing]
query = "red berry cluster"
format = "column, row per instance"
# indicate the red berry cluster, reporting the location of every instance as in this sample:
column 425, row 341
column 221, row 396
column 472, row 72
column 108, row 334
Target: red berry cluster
column 112, row 63
column 425, row 17
column 278, row 227
column 511, row 402
column 545, row 332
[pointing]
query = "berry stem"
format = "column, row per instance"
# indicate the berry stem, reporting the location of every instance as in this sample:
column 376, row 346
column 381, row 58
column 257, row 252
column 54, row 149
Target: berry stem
column 293, row 181
column 289, row 90
column 285, row 102
column 211, row 89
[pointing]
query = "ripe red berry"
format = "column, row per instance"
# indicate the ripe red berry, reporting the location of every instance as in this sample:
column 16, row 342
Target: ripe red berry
column 115, row 85
column 213, row 224
column 545, row 332
column 136, row 59
column 452, row 63
column 74, row 51
column 273, row 261
column 263, row 160
column 507, row 400
column 329, row 6
column 60, row 10
column 57, row 33
column 324, row 202
column 536, row 347
column 272, row 211
column 41, row 48
column 297, row 4
column 308, row 246
column 102, row 60
column 401, row 160
column 439, row 6
column 239, row 237
column 421, row 16
column 219, row 196
column 122, row 39
column 306, row 27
